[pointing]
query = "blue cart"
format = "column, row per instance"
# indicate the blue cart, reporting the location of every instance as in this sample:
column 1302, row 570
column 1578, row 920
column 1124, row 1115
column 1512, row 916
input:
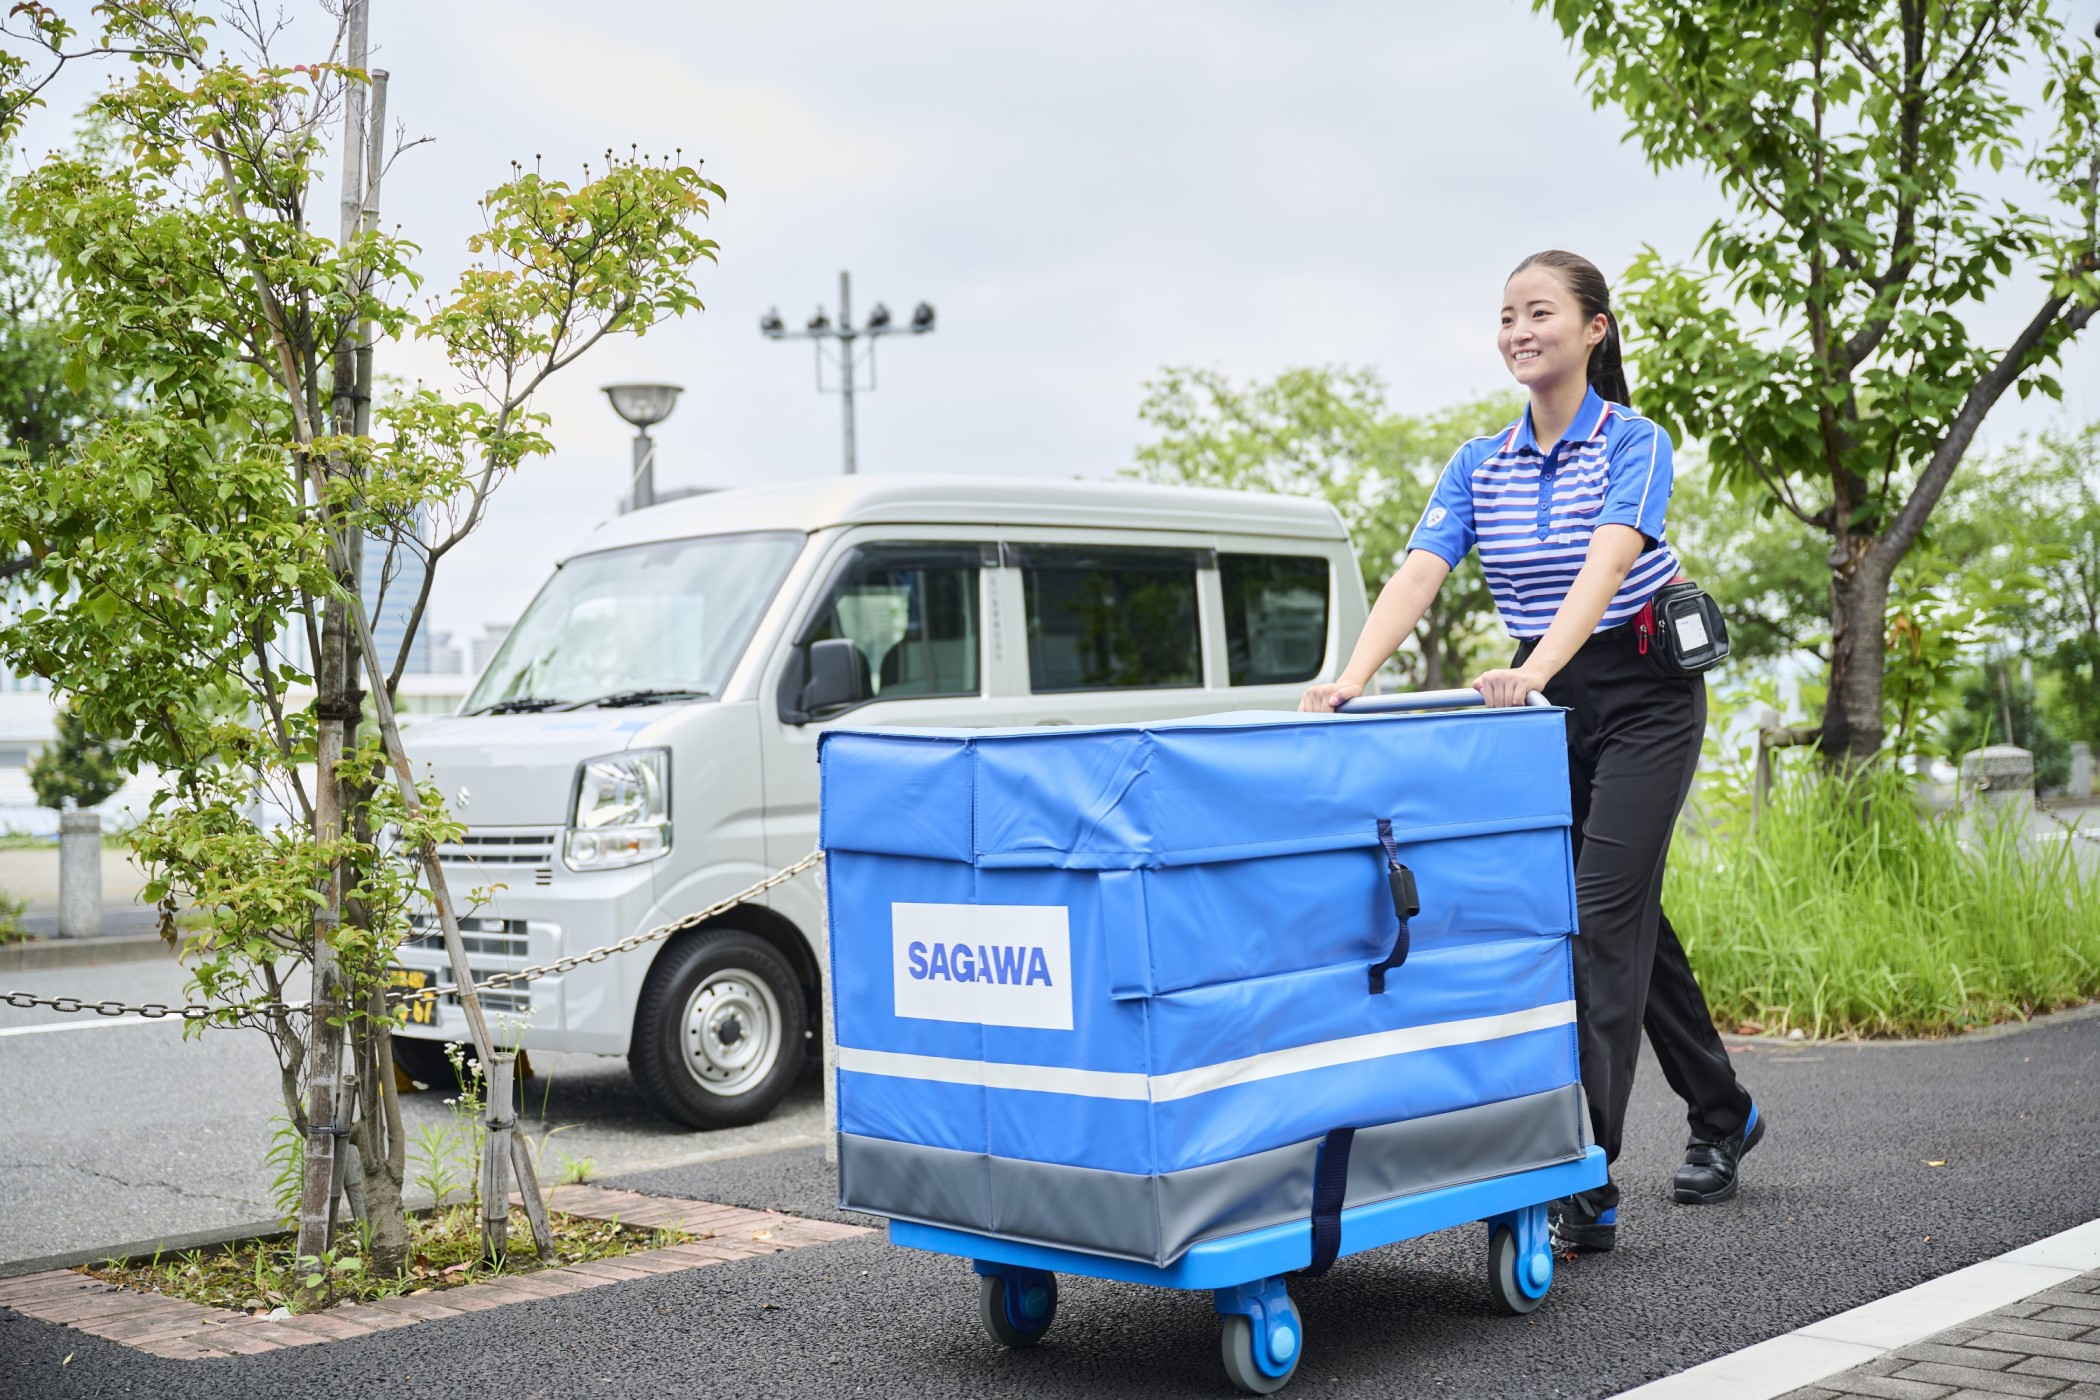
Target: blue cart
column 1207, row 1003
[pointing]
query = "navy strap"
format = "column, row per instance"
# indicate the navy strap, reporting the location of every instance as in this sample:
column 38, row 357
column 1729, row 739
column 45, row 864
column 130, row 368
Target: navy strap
column 1406, row 904
column 1330, row 1186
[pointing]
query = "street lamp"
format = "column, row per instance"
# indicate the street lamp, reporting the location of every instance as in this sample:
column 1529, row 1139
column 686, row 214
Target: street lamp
column 819, row 329
column 643, row 406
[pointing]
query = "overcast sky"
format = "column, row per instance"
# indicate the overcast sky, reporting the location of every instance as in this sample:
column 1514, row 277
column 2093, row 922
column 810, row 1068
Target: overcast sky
column 1086, row 191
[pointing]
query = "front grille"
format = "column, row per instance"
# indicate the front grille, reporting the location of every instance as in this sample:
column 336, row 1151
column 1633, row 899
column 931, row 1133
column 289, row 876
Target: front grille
column 496, row 847
column 496, row 938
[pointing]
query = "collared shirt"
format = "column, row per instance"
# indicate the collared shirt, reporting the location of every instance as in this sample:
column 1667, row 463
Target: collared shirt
column 1531, row 512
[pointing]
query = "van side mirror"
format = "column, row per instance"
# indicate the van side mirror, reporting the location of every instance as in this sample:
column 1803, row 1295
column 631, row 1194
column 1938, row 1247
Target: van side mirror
column 838, row 676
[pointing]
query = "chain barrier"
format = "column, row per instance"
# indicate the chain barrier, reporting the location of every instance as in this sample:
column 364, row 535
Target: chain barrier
column 201, row 1011
column 2071, row 829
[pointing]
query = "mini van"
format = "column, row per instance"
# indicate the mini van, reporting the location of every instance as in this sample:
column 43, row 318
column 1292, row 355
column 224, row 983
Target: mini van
column 645, row 742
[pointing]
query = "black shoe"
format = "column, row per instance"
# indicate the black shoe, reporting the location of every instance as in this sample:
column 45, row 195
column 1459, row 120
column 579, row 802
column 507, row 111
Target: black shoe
column 1575, row 1225
column 1708, row 1175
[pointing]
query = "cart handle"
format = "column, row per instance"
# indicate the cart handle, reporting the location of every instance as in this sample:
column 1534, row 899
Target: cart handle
column 1429, row 700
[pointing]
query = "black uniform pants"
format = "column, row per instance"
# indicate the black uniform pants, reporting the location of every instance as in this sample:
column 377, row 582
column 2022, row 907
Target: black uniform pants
column 1633, row 743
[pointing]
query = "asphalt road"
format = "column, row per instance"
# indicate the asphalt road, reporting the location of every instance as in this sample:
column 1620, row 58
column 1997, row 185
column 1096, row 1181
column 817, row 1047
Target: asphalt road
column 1839, row 1208
column 125, row 1132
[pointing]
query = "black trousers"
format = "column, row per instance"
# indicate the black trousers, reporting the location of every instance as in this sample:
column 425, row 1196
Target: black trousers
column 1633, row 743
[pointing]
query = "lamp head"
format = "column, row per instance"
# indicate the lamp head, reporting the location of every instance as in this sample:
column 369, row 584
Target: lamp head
column 879, row 317
column 643, row 404
column 819, row 322
column 771, row 325
column 922, row 318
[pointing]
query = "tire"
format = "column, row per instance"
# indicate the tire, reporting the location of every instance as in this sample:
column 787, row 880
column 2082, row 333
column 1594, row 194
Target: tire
column 1236, row 1349
column 426, row 1062
column 998, row 1319
column 1502, row 1277
column 718, row 1032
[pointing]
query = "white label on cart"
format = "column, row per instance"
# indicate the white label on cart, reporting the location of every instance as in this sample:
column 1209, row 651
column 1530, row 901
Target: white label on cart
column 988, row 964
column 1691, row 631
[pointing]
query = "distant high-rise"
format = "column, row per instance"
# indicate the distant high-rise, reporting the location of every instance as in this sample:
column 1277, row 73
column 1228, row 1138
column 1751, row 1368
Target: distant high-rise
column 483, row 648
column 389, row 615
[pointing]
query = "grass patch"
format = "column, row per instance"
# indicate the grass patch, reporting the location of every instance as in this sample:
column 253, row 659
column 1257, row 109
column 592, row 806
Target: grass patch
column 1846, row 913
column 257, row 1276
column 11, row 930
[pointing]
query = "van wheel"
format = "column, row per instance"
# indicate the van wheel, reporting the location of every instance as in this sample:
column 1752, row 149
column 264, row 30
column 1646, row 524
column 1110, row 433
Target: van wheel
column 718, row 1033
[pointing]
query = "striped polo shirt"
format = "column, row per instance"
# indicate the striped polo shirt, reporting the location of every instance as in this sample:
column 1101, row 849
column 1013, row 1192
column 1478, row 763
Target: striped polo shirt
column 1531, row 512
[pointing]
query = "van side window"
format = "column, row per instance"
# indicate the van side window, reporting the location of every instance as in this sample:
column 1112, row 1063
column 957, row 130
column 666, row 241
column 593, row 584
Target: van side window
column 1106, row 618
column 1275, row 617
column 911, row 612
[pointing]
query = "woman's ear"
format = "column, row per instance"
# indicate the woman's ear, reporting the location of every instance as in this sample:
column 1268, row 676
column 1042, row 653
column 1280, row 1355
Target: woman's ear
column 1599, row 327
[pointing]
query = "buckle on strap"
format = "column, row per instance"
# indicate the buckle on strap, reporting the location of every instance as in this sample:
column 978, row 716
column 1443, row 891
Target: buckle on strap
column 1407, row 903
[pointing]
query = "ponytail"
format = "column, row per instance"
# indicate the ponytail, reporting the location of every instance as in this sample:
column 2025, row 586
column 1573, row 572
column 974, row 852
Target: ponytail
column 1607, row 370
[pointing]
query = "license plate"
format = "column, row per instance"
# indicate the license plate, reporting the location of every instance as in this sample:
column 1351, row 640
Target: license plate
column 423, row 1010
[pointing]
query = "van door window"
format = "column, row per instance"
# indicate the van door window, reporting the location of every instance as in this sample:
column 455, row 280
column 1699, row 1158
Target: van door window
column 911, row 612
column 1275, row 617
column 1107, row 618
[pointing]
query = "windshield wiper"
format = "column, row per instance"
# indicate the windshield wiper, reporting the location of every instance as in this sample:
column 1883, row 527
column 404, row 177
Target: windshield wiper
column 621, row 698
column 518, row 705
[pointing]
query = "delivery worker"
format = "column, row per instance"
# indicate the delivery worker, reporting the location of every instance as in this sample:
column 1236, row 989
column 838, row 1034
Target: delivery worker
column 1566, row 508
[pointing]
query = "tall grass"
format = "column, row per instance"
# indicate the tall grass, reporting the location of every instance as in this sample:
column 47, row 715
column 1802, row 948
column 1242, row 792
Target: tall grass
column 1848, row 913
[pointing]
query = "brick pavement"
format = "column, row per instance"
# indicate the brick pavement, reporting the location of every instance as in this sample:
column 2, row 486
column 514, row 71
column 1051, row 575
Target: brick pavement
column 172, row 1327
column 2046, row 1346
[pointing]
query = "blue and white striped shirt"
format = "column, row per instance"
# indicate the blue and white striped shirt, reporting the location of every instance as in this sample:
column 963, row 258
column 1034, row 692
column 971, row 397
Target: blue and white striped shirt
column 1531, row 513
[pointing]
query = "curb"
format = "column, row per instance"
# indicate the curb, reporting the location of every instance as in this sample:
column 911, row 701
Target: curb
column 1822, row 1349
column 145, row 1249
column 2040, row 1021
column 83, row 952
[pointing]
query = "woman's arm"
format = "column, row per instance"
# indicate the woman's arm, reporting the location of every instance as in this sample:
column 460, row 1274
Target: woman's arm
column 1613, row 550
column 1401, row 603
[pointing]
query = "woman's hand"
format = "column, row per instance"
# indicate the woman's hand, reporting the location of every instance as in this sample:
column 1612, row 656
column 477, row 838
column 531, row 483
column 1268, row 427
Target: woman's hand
column 1326, row 699
column 1505, row 688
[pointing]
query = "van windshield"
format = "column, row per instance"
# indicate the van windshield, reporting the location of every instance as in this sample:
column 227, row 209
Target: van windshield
column 654, row 621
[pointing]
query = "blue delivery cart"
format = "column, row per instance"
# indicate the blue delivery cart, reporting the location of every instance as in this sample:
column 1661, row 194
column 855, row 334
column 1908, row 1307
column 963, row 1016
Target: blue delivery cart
column 1208, row 1003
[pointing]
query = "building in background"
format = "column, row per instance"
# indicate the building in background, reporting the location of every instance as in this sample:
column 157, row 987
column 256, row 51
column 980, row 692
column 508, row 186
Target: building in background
column 483, row 649
column 390, row 599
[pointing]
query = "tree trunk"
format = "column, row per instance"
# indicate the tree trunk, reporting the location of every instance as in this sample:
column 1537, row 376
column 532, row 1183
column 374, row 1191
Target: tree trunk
column 1852, row 724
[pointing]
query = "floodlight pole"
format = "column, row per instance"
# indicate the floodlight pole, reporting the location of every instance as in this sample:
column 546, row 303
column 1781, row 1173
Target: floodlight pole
column 820, row 329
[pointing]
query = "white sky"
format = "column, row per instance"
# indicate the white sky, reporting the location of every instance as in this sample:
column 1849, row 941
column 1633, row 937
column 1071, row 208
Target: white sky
column 1086, row 191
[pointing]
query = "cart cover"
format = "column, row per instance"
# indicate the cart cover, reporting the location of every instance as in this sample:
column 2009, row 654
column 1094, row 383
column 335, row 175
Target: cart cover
column 1109, row 989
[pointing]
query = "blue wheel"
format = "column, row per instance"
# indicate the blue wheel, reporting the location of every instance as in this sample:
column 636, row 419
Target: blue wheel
column 1017, row 1308
column 1518, row 1279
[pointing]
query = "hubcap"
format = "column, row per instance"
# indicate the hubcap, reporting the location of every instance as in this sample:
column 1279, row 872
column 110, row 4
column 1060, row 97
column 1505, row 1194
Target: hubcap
column 731, row 1032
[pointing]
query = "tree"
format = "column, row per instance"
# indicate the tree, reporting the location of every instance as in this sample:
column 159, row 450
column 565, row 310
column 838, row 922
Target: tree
column 1328, row 433
column 76, row 766
column 1820, row 352
column 194, row 562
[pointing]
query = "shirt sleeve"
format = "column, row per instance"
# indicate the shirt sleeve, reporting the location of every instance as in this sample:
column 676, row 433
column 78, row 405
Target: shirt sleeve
column 1637, row 484
column 1446, row 527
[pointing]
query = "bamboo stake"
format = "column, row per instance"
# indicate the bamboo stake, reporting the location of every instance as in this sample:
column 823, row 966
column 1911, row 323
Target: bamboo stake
column 495, row 1157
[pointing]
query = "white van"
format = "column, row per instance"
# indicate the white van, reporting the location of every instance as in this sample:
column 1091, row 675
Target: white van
column 645, row 742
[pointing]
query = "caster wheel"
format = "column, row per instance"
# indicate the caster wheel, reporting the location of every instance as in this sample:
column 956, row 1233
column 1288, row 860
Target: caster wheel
column 1017, row 1311
column 1514, row 1291
column 1236, row 1346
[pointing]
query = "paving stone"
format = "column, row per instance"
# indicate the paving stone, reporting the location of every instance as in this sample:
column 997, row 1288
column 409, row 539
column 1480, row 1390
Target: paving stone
column 2087, row 1317
column 2060, row 1367
column 2044, row 1346
column 2019, row 1327
column 1958, row 1356
column 1988, row 1382
column 1889, row 1388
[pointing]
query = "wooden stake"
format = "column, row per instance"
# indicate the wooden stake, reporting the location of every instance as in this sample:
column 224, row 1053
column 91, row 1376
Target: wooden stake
column 499, row 1084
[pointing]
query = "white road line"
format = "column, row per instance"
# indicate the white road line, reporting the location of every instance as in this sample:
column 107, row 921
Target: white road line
column 90, row 1024
column 1809, row 1354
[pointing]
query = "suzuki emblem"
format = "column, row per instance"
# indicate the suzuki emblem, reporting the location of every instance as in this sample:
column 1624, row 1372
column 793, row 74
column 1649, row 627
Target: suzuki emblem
column 462, row 798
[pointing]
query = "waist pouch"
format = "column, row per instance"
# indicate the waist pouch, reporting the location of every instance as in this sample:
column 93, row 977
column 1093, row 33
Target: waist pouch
column 1681, row 630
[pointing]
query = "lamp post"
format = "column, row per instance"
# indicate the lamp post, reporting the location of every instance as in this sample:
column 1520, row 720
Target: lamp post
column 643, row 406
column 820, row 329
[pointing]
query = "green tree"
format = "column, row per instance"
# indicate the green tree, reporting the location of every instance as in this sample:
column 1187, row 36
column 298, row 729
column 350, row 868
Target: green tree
column 176, row 549
column 1819, row 347
column 1329, row 433
column 76, row 765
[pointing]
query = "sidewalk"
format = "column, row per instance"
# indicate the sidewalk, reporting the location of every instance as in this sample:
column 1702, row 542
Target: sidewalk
column 2046, row 1346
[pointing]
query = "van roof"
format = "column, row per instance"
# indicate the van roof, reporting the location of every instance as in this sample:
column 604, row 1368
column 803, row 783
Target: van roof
column 966, row 500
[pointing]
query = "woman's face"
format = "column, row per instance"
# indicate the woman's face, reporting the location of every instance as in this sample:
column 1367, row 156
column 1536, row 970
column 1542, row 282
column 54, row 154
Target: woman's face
column 1544, row 338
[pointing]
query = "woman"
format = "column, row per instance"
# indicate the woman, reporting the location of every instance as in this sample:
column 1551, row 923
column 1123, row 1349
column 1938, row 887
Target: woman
column 1566, row 507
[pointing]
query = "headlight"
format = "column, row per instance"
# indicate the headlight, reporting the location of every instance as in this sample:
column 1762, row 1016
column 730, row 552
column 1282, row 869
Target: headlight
column 623, row 811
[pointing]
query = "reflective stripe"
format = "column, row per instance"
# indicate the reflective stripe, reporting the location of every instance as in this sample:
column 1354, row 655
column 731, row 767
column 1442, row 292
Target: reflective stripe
column 1047, row 1079
column 1183, row 1084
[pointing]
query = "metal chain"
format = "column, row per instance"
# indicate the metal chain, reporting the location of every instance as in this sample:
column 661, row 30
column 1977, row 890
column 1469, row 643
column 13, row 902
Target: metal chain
column 201, row 1011
column 2070, row 828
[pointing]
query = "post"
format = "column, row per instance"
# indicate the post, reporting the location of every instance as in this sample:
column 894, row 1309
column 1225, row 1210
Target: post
column 79, row 874
column 495, row 1160
column 2081, row 786
column 644, row 493
column 846, row 360
column 1999, row 778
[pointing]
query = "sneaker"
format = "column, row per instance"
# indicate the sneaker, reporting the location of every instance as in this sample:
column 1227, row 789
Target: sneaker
column 1575, row 1226
column 1708, row 1175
